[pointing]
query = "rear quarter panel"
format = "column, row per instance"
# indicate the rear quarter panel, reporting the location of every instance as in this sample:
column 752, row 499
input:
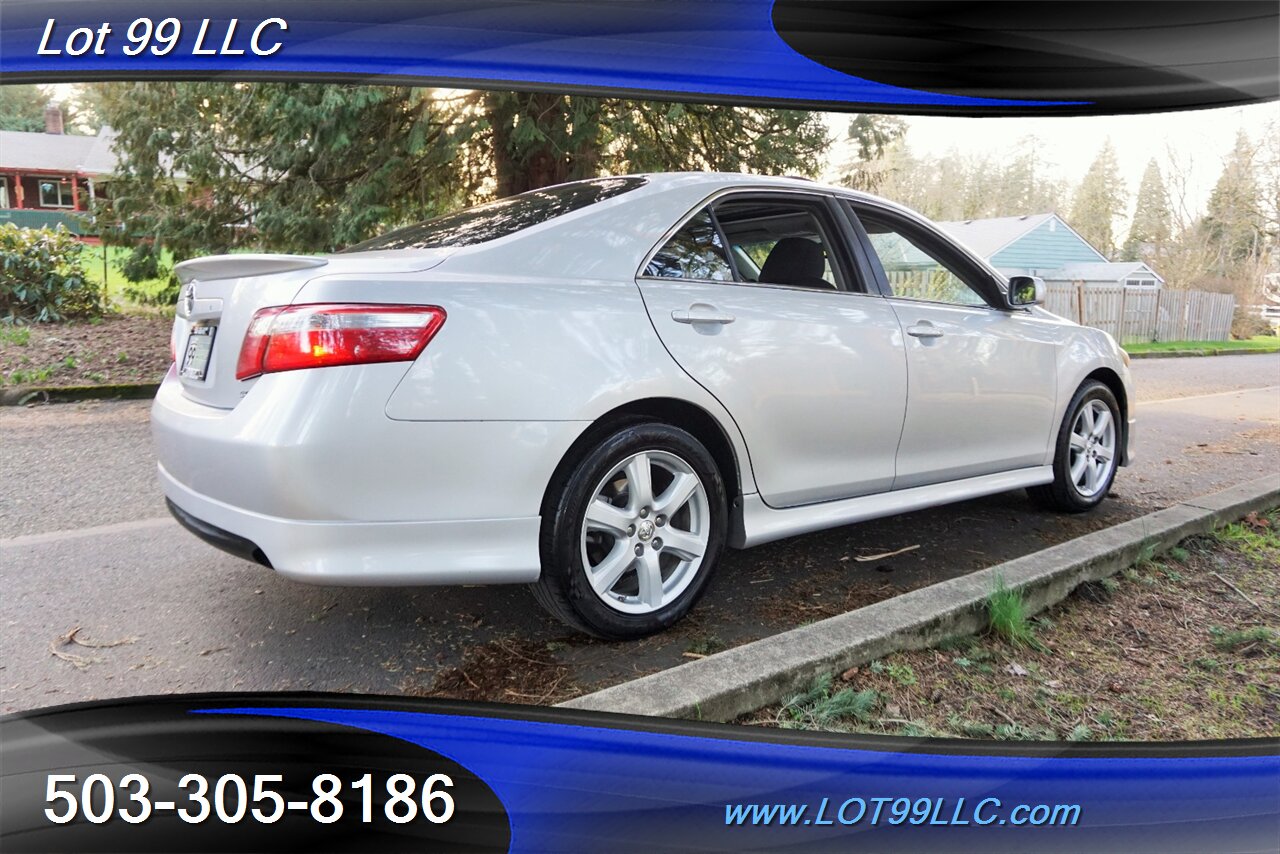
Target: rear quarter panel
column 529, row 349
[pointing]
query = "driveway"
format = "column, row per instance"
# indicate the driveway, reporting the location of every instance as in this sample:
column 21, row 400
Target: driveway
column 104, row 596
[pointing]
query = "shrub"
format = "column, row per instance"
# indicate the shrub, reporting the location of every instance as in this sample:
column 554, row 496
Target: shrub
column 42, row 278
column 1245, row 324
column 153, row 281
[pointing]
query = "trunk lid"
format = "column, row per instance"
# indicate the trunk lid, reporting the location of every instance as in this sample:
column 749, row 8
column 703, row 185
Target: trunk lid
column 220, row 295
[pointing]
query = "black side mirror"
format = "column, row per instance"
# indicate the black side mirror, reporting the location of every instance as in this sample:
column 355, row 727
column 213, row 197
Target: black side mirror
column 1025, row 291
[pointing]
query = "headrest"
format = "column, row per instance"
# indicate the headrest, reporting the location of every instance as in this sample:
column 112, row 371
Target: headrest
column 792, row 261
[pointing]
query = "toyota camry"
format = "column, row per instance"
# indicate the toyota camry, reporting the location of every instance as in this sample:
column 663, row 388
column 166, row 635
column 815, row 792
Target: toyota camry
column 596, row 388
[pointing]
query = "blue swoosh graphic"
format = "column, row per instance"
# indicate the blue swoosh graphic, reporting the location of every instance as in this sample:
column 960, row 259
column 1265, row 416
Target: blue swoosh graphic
column 713, row 48
column 566, row 784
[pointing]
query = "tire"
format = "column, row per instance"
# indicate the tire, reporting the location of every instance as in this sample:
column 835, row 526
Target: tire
column 1089, row 485
column 598, row 574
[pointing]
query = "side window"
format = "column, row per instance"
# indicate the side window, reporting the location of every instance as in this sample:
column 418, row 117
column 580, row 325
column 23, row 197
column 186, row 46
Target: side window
column 913, row 271
column 778, row 241
column 695, row 252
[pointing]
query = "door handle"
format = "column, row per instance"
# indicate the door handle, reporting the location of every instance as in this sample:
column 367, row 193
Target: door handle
column 924, row 329
column 701, row 313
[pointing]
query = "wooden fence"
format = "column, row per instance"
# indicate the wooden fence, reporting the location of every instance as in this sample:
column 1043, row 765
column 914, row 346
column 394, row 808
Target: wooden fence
column 1132, row 314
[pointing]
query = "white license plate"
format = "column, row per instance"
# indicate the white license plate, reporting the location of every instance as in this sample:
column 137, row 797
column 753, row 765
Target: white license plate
column 195, row 363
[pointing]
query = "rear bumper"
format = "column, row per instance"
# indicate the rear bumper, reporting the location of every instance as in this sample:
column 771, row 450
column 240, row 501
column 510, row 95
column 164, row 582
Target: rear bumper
column 472, row 551
column 307, row 473
column 218, row 538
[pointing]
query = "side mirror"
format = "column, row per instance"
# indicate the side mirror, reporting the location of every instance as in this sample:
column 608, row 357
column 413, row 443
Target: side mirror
column 1025, row 291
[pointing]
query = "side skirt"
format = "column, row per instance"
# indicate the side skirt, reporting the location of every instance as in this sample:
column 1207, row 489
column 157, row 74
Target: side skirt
column 756, row 522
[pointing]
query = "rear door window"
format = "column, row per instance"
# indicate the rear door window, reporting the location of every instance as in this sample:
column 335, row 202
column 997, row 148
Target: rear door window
column 781, row 240
column 695, row 252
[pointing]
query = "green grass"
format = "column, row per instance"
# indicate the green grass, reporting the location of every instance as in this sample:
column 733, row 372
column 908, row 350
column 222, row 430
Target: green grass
column 1266, row 343
column 115, row 280
column 1225, row 640
column 1007, row 615
column 18, row 336
column 1252, row 541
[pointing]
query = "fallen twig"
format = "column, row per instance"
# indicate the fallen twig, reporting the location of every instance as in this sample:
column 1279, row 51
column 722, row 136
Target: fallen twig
column 73, row 636
column 883, row 555
column 1243, row 595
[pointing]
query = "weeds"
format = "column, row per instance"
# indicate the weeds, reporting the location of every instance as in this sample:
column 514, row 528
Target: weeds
column 1258, row 540
column 706, row 645
column 819, row 705
column 1231, row 641
column 1007, row 615
column 18, row 336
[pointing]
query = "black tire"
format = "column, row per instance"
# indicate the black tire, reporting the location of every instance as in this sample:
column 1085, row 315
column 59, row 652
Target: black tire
column 564, row 589
column 1062, row 494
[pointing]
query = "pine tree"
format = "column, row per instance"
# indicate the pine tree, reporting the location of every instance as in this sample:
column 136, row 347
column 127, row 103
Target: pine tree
column 212, row 166
column 22, row 107
column 1234, row 217
column 870, row 137
column 1099, row 201
column 1152, row 218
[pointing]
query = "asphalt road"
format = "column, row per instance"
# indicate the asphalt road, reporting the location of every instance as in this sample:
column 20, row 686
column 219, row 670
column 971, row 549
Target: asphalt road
column 85, row 542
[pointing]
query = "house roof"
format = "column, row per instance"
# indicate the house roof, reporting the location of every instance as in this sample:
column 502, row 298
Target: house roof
column 85, row 155
column 1109, row 271
column 988, row 236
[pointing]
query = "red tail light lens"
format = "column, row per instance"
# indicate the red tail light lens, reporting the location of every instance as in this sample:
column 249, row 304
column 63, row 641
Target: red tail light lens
column 288, row 338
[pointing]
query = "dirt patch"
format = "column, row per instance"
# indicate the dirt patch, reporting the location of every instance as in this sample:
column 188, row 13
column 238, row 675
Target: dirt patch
column 1186, row 647
column 119, row 348
column 818, row 597
column 1251, row 443
column 505, row 670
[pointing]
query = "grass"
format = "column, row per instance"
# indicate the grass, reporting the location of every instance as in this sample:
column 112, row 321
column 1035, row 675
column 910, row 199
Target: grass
column 1007, row 616
column 18, row 336
column 1182, row 645
column 116, row 283
column 1265, row 343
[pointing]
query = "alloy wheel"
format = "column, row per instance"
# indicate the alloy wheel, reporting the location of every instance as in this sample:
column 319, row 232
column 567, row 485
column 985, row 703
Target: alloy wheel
column 645, row 531
column 1093, row 448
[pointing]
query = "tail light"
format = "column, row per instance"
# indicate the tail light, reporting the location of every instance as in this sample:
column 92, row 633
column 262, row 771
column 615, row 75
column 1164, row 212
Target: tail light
column 291, row 337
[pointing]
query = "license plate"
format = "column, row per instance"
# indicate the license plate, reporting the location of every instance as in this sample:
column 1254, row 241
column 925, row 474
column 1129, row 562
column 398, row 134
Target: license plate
column 195, row 363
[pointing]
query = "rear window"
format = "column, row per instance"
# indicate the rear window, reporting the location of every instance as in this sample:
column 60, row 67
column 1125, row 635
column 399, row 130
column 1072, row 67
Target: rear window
column 500, row 218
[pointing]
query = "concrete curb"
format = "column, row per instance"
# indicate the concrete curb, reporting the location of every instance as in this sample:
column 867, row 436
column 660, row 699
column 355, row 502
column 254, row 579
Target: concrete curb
column 1182, row 354
column 722, row 686
column 53, row 394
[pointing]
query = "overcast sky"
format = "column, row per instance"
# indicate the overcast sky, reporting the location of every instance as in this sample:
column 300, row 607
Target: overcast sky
column 1070, row 144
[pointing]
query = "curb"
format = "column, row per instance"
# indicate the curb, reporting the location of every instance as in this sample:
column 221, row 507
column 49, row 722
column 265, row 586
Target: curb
column 1182, row 354
column 723, row 686
column 56, row 394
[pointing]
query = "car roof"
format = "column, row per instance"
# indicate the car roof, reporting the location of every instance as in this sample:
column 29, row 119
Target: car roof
column 711, row 181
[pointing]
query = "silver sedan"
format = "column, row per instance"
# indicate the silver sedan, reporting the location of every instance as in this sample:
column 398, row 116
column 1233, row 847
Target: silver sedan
column 595, row 388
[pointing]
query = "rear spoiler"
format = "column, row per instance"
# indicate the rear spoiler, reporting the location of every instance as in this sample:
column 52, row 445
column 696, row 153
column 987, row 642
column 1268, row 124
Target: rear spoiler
column 239, row 266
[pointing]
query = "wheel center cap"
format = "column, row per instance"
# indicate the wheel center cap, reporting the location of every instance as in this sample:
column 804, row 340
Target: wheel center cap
column 645, row 530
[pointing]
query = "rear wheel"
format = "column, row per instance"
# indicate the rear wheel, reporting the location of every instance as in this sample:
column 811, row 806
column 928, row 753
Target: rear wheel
column 632, row 534
column 1087, row 452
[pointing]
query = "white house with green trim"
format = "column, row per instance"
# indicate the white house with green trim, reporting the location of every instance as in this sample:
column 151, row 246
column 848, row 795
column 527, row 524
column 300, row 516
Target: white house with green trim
column 1044, row 245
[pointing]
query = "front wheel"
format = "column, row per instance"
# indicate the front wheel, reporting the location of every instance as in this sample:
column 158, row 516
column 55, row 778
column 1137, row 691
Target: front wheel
column 1087, row 452
column 632, row 535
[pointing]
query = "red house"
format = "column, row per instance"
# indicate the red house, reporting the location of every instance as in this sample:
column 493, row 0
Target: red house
column 52, row 178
